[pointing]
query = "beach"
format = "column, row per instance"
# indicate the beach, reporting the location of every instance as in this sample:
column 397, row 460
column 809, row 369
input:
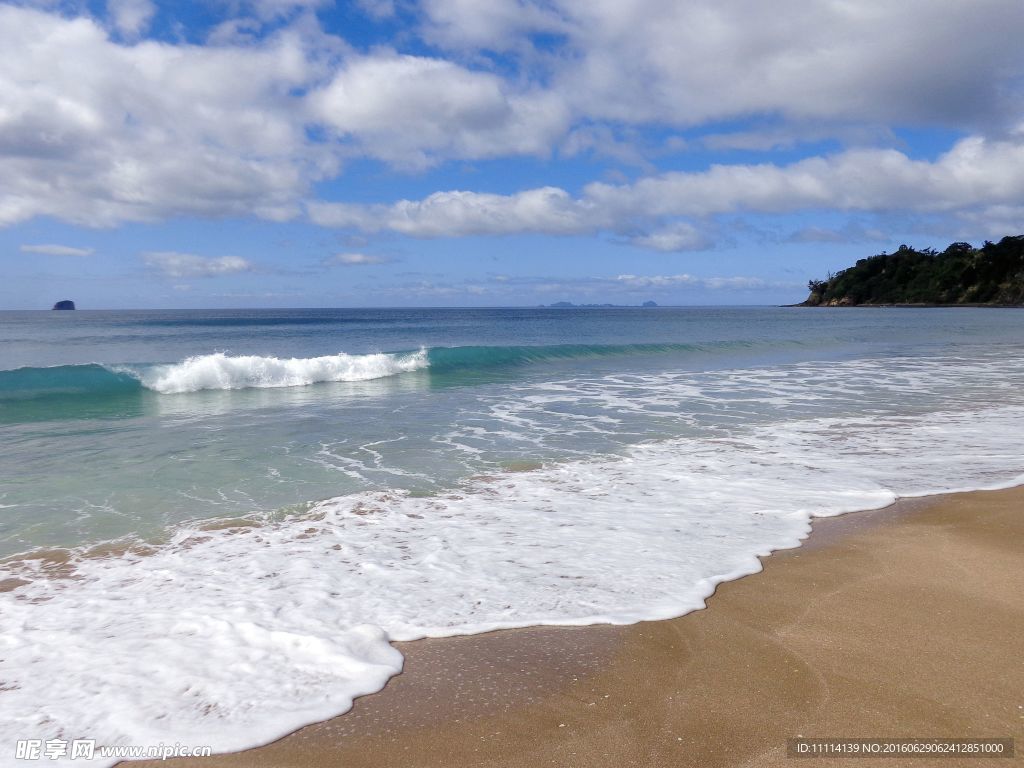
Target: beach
column 481, row 525
column 510, row 383
column 900, row 622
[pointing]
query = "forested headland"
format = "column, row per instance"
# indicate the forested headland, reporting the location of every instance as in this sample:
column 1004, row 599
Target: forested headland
column 992, row 275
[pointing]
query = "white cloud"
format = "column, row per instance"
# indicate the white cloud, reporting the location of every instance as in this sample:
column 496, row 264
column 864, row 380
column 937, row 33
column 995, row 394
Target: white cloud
column 131, row 17
column 179, row 265
column 600, row 140
column 49, row 249
column 355, row 259
column 688, row 63
column 975, row 172
column 496, row 25
column 98, row 133
column 678, row 236
column 155, row 130
column 975, row 178
column 993, row 221
column 414, row 111
column 456, row 214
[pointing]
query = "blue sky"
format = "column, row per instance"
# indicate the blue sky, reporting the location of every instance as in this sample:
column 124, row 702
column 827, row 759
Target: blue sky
column 247, row 153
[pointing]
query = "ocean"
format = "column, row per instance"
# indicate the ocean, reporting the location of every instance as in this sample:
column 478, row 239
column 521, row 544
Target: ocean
column 213, row 522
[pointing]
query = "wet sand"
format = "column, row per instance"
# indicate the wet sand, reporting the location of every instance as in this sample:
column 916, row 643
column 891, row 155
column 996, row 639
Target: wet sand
column 904, row 622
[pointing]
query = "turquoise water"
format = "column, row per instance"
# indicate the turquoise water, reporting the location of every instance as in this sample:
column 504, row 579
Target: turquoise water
column 281, row 494
column 89, row 453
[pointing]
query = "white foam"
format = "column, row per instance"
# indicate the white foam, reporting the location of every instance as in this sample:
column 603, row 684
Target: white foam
column 221, row 371
column 233, row 638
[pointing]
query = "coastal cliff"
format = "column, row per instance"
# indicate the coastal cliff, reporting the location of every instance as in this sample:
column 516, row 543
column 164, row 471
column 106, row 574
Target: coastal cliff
column 961, row 275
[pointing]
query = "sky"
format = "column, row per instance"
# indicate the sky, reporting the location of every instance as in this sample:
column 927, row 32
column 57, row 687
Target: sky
column 307, row 153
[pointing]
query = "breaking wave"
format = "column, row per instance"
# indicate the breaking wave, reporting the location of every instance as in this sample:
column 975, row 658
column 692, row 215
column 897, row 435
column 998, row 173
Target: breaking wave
column 220, row 371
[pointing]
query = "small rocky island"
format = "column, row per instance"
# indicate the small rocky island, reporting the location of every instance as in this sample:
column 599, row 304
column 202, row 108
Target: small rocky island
column 961, row 275
column 65, row 304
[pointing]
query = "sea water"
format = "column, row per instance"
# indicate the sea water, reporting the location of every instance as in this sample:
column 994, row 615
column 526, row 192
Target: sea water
column 214, row 522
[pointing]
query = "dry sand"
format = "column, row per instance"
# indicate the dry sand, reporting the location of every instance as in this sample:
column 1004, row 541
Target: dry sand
column 904, row 622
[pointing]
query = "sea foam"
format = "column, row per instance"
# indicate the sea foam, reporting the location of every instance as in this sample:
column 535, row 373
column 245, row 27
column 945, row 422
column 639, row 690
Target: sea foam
column 235, row 637
column 221, row 371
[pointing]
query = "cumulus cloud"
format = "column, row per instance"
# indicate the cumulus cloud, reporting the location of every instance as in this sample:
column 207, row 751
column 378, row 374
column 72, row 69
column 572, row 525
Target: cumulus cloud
column 975, row 172
column 456, row 214
column 977, row 177
column 49, row 249
column 678, row 236
column 414, row 111
column 704, row 60
column 243, row 126
column 355, row 260
column 250, row 122
column 148, row 131
column 496, row 25
column 178, row 265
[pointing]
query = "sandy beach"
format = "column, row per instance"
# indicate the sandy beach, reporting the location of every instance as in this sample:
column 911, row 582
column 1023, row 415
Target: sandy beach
column 903, row 622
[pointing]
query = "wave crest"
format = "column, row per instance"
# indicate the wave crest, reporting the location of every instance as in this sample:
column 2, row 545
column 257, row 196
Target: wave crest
column 221, row 371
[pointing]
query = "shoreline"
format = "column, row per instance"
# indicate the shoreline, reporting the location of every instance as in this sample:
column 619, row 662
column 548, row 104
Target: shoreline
column 805, row 305
column 900, row 621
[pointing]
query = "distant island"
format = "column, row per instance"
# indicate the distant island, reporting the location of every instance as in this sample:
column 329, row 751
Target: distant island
column 570, row 305
column 961, row 275
column 65, row 304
